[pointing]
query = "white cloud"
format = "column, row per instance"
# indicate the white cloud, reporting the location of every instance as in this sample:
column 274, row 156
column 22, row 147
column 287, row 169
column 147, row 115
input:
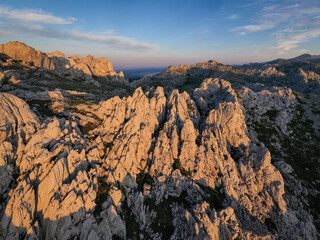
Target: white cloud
column 233, row 17
column 114, row 41
column 251, row 28
column 32, row 15
column 286, row 45
column 293, row 40
column 290, row 23
column 21, row 27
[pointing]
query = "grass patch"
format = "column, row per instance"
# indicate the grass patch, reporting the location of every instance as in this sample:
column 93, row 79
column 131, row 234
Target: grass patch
column 190, row 107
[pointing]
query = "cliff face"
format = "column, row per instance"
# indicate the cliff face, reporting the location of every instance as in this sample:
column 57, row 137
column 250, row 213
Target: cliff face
column 57, row 62
column 233, row 157
column 28, row 55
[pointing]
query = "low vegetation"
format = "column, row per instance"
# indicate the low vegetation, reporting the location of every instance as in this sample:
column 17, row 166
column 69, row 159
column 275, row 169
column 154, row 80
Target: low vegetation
column 102, row 195
column 300, row 148
column 214, row 197
column 142, row 179
column 177, row 165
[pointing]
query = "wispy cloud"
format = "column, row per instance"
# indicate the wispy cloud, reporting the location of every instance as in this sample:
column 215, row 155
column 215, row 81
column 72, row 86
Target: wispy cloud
column 233, row 17
column 257, row 3
column 47, row 32
column 294, row 39
column 290, row 23
column 16, row 23
column 243, row 30
column 33, row 15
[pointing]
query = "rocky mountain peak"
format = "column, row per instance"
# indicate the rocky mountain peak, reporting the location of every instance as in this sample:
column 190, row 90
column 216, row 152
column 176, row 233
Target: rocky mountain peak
column 74, row 67
column 27, row 55
column 57, row 54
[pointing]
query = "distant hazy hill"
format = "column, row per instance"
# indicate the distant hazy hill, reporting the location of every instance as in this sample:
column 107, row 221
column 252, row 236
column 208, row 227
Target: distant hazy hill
column 302, row 58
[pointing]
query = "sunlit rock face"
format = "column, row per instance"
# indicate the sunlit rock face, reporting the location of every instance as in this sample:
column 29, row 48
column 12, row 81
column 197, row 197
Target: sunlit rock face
column 216, row 153
column 27, row 55
column 17, row 125
column 160, row 165
column 171, row 143
column 72, row 68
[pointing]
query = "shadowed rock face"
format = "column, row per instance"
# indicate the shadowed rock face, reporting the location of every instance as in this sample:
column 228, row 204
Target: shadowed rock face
column 235, row 156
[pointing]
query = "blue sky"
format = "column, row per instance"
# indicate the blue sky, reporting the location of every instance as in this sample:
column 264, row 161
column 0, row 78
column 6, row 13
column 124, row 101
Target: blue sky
column 160, row 33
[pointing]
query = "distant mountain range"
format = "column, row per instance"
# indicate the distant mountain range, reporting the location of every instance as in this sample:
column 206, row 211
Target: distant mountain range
column 302, row 58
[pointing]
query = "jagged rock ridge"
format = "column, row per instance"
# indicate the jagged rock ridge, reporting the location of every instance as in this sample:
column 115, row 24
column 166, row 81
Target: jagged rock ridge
column 72, row 67
column 300, row 76
column 152, row 151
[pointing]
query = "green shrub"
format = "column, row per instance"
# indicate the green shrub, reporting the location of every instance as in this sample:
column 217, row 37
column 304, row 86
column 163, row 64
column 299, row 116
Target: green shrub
column 177, row 165
column 190, row 107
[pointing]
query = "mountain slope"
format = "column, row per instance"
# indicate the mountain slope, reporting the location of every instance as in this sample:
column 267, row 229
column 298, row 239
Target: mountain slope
column 234, row 156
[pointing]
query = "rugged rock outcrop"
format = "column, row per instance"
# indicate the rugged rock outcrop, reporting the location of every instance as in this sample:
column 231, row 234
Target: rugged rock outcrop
column 17, row 125
column 300, row 76
column 27, row 55
column 56, row 186
column 159, row 166
column 100, row 67
column 71, row 68
column 78, row 67
column 85, row 67
column 56, row 176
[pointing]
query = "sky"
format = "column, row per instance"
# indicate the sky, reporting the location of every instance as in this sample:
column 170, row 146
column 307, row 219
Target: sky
column 154, row 33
